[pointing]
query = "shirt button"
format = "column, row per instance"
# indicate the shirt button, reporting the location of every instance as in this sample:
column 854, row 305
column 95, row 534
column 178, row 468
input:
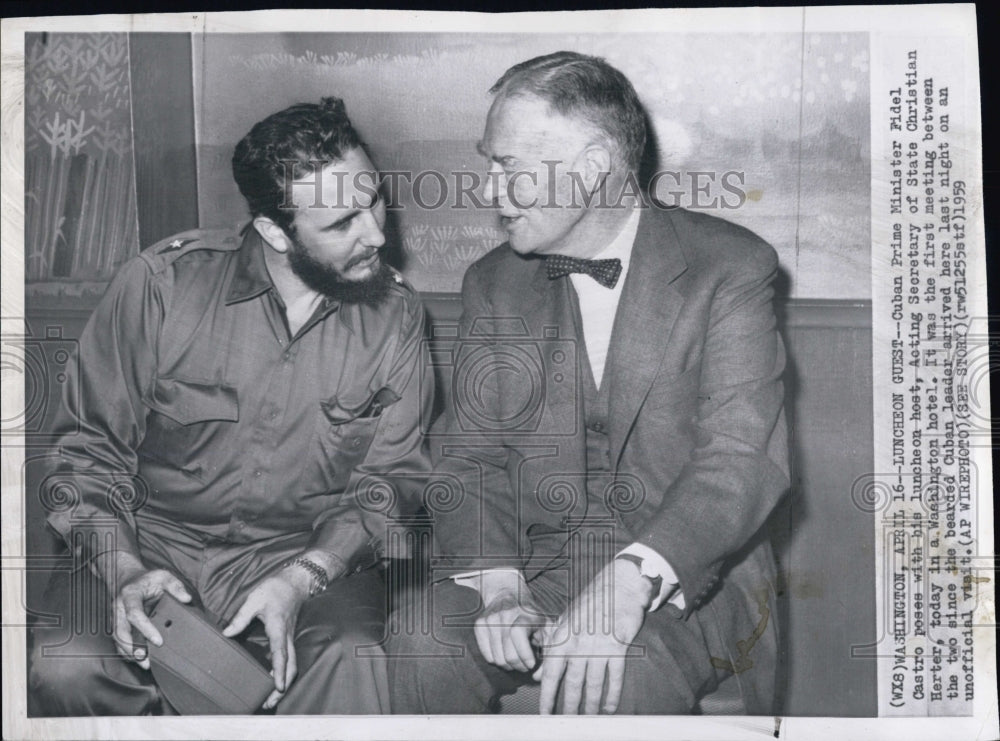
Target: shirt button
column 258, row 473
column 597, row 427
column 356, row 443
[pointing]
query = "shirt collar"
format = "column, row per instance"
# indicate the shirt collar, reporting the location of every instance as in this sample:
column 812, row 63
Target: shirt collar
column 250, row 277
column 621, row 246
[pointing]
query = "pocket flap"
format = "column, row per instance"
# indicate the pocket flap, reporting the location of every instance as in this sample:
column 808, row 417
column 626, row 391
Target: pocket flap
column 339, row 411
column 188, row 402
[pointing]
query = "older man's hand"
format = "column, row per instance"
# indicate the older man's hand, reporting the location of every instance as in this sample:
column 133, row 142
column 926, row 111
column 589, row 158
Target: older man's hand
column 587, row 645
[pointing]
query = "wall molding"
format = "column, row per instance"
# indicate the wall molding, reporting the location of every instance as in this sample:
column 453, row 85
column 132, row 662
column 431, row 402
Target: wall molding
column 795, row 313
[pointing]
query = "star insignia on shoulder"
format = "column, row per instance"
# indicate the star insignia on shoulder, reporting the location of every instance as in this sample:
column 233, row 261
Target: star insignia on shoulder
column 177, row 244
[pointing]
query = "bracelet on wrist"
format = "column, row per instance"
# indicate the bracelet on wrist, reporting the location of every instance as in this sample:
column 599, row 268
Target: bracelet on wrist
column 318, row 578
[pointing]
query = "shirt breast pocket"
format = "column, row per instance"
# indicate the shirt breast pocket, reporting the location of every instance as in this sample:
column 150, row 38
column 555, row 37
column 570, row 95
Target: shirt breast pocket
column 346, row 431
column 182, row 426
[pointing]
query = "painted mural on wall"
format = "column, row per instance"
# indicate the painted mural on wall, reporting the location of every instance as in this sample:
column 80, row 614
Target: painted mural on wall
column 80, row 209
column 788, row 113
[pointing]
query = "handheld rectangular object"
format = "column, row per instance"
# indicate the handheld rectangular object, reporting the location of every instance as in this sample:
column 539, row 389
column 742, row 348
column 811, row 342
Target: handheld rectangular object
column 200, row 671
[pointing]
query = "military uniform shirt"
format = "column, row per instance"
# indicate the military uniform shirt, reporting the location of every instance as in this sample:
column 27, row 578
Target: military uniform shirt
column 202, row 435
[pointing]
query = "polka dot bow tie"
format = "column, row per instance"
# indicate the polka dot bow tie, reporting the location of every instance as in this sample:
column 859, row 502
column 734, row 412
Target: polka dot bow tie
column 605, row 272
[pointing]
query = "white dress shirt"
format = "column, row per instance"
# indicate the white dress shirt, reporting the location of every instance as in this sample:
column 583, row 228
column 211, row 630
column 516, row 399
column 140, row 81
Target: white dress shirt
column 599, row 304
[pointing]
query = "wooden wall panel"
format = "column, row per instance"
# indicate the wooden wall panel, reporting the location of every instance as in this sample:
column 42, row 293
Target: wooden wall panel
column 163, row 126
column 824, row 543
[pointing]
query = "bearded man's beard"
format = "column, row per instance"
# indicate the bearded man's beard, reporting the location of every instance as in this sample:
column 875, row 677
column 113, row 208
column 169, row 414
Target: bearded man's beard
column 329, row 281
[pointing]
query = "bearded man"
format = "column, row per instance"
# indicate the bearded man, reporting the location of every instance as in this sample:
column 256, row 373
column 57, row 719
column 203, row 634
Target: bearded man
column 247, row 393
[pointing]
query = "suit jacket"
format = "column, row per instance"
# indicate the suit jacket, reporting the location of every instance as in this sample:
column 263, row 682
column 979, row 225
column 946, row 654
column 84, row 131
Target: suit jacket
column 696, row 428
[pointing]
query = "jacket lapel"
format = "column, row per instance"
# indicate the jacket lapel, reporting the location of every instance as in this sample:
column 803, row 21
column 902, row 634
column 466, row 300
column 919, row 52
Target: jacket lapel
column 547, row 309
column 648, row 308
column 560, row 341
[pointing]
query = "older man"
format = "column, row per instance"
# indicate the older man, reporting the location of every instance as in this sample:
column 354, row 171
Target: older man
column 618, row 433
column 241, row 405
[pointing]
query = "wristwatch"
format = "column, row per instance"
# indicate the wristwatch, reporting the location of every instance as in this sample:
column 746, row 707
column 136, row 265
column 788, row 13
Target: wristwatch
column 656, row 579
column 319, row 580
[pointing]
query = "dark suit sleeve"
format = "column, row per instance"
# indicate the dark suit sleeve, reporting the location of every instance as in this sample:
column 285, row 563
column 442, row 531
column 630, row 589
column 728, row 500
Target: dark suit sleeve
column 472, row 532
column 738, row 467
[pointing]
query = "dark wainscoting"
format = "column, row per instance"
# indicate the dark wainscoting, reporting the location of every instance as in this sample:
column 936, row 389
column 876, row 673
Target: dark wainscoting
column 824, row 543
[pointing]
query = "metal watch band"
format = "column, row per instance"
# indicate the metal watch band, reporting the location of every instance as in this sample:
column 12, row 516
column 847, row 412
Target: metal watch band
column 319, row 581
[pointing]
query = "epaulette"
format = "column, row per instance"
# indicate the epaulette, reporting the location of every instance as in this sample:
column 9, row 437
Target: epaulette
column 400, row 281
column 169, row 250
column 402, row 287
